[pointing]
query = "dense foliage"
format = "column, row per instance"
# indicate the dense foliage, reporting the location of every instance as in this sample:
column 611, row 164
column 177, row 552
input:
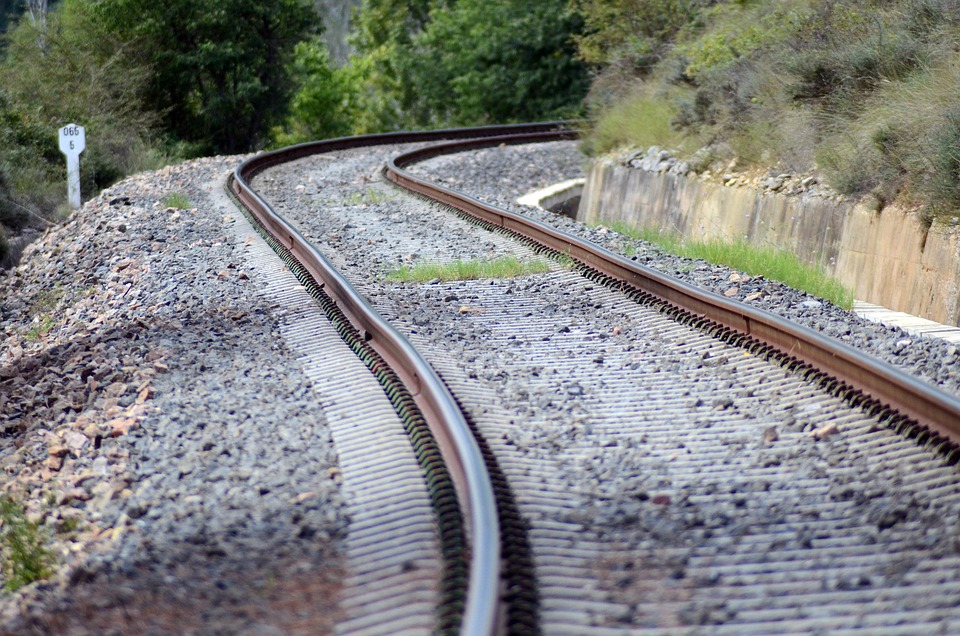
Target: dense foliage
column 487, row 61
column 220, row 68
column 318, row 108
column 155, row 81
column 633, row 32
column 864, row 92
column 71, row 70
column 149, row 82
column 435, row 63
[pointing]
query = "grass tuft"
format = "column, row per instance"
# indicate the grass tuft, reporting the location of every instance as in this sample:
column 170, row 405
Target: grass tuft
column 771, row 263
column 371, row 197
column 504, row 267
column 40, row 327
column 177, row 200
column 26, row 557
column 640, row 120
column 43, row 307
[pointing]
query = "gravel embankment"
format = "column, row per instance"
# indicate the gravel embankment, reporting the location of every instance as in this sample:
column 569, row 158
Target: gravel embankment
column 157, row 430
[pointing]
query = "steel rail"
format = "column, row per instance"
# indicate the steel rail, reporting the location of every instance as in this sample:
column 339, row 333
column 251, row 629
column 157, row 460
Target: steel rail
column 933, row 410
column 483, row 613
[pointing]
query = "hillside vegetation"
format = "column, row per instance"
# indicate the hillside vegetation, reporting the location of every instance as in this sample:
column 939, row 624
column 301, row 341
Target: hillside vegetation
column 863, row 93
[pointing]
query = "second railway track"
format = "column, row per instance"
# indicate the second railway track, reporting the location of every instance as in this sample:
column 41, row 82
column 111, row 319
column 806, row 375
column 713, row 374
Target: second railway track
column 664, row 481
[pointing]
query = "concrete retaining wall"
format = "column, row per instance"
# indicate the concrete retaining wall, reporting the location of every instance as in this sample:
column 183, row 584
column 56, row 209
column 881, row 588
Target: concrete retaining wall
column 888, row 257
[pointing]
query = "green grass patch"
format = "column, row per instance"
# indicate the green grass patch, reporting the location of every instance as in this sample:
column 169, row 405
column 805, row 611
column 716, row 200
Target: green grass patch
column 771, row 263
column 372, row 197
column 177, row 200
column 40, row 328
column 46, row 301
column 504, row 267
column 667, row 241
column 26, row 557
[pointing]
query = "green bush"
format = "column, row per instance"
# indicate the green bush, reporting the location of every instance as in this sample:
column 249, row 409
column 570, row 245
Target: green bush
column 432, row 64
column 638, row 120
column 637, row 32
column 220, row 70
column 945, row 157
column 322, row 106
column 511, row 64
column 852, row 71
column 4, row 244
column 29, row 162
column 13, row 215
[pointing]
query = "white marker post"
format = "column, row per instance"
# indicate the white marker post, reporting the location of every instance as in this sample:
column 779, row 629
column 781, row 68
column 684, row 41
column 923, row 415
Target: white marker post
column 72, row 143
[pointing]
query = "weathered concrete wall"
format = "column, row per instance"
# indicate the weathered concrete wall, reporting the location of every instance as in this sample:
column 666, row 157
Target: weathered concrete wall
column 887, row 257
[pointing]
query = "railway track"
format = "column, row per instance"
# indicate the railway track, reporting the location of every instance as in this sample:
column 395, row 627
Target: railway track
column 737, row 504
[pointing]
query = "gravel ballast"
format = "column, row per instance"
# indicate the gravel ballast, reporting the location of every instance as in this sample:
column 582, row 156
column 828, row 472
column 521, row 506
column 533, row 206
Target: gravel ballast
column 157, row 429
column 502, row 175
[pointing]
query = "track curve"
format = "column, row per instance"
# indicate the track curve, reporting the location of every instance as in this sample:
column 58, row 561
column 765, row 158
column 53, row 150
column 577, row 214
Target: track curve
column 481, row 612
column 854, row 375
column 903, row 401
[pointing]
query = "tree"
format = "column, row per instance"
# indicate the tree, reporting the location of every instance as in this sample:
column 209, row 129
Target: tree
column 382, row 36
column 432, row 63
column 336, row 16
column 498, row 61
column 37, row 10
column 221, row 68
column 321, row 107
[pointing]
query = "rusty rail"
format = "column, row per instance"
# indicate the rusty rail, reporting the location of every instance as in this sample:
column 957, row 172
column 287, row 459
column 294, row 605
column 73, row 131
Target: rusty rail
column 854, row 372
column 932, row 410
column 482, row 613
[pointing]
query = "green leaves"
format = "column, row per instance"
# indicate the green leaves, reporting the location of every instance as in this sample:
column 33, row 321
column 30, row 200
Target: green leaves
column 221, row 68
column 469, row 62
column 322, row 106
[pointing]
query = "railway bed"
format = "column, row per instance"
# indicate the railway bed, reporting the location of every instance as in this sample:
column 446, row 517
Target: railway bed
column 607, row 466
column 741, row 499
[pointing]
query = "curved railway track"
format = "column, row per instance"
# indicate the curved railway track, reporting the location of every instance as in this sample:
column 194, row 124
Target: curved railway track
column 472, row 590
